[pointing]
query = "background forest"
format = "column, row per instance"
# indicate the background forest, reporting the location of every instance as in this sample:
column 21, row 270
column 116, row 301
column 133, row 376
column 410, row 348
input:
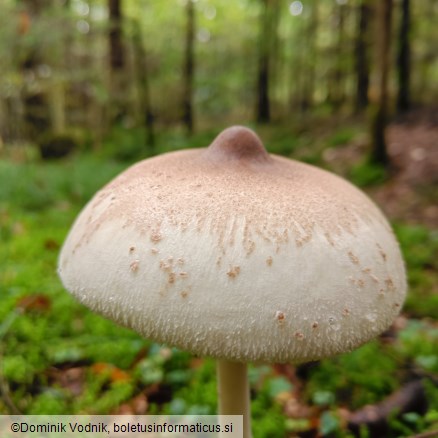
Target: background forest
column 89, row 87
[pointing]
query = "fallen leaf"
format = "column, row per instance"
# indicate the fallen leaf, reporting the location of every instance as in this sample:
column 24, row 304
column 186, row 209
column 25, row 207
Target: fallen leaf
column 115, row 374
column 51, row 244
column 34, row 302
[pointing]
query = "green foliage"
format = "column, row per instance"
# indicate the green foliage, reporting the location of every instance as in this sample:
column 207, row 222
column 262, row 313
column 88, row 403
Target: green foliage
column 17, row 369
column 282, row 142
column 149, row 371
column 354, row 378
column 278, row 385
column 129, row 145
column 323, row 398
column 341, row 137
column 126, row 144
column 367, row 174
column 329, row 423
column 101, row 399
column 412, row 423
column 35, row 187
column 267, row 415
column 173, row 140
column 198, row 396
column 418, row 342
column 420, row 250
column 51, row 401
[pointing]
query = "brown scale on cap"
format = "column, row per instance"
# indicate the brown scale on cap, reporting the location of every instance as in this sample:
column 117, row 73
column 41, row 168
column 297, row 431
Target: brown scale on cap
column 299, row 336
column 353, row 258
column 280, row 316
column 156, row 237
column 234, row 271
column 134, row 265
column 381, row 252
column 171, row 278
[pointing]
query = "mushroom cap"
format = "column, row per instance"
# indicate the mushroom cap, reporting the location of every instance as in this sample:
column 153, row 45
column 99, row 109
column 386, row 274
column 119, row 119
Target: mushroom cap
column 234, row 253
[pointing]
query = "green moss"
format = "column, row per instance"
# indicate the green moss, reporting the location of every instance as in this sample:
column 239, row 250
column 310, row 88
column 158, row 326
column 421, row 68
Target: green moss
column 355, row 378
column 420, row 250
column 17, row 369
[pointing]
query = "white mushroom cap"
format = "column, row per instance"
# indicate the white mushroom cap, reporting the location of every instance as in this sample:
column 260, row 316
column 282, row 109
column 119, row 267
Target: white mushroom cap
column 234, row 253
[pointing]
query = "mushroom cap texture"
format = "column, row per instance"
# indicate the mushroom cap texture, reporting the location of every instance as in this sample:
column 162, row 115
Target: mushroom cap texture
column 234, row 253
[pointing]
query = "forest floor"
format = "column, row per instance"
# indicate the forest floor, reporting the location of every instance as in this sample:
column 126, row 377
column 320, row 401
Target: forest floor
column 413, row 148
column 58, row 358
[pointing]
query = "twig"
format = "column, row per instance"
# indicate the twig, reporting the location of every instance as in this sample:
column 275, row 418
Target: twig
column 430, row 434
column 409, row 398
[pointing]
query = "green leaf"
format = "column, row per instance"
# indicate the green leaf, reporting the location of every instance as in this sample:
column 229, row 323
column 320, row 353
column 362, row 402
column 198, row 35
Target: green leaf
column 328, row 423
column 323, row 398
column 428, row 362
column 278, row 385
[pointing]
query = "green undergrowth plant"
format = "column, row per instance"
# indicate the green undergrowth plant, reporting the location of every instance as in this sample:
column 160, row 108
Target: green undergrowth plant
column 365, row 174
column 418, row 345
column 342, row 380
column 37, row 186
column 130, row 145
column 342, row 136
column 420, row 250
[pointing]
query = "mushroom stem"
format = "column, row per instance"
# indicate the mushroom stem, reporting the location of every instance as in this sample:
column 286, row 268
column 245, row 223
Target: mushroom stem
column 233, row 390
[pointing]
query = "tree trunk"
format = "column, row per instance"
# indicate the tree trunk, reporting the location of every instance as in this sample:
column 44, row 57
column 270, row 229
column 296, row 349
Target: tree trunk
column 56, row 94
column 263, row 108
column 404, row 59
column 362, row 56
column 56, row 97
column 338, row 92
column 116, row 62
column 144, row 88
column 117, row 59
column 189, row 68
column 379, row 152
column 36, row 109
column 309, row 60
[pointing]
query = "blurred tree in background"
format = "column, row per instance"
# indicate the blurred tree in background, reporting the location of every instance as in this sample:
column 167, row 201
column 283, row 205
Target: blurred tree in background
column 86, row 68
column 404, row 57
column 362, row 64
column 189, row 68
column 383, row 52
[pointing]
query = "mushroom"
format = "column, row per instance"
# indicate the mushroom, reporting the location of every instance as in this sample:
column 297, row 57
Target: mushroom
column 240, row 255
